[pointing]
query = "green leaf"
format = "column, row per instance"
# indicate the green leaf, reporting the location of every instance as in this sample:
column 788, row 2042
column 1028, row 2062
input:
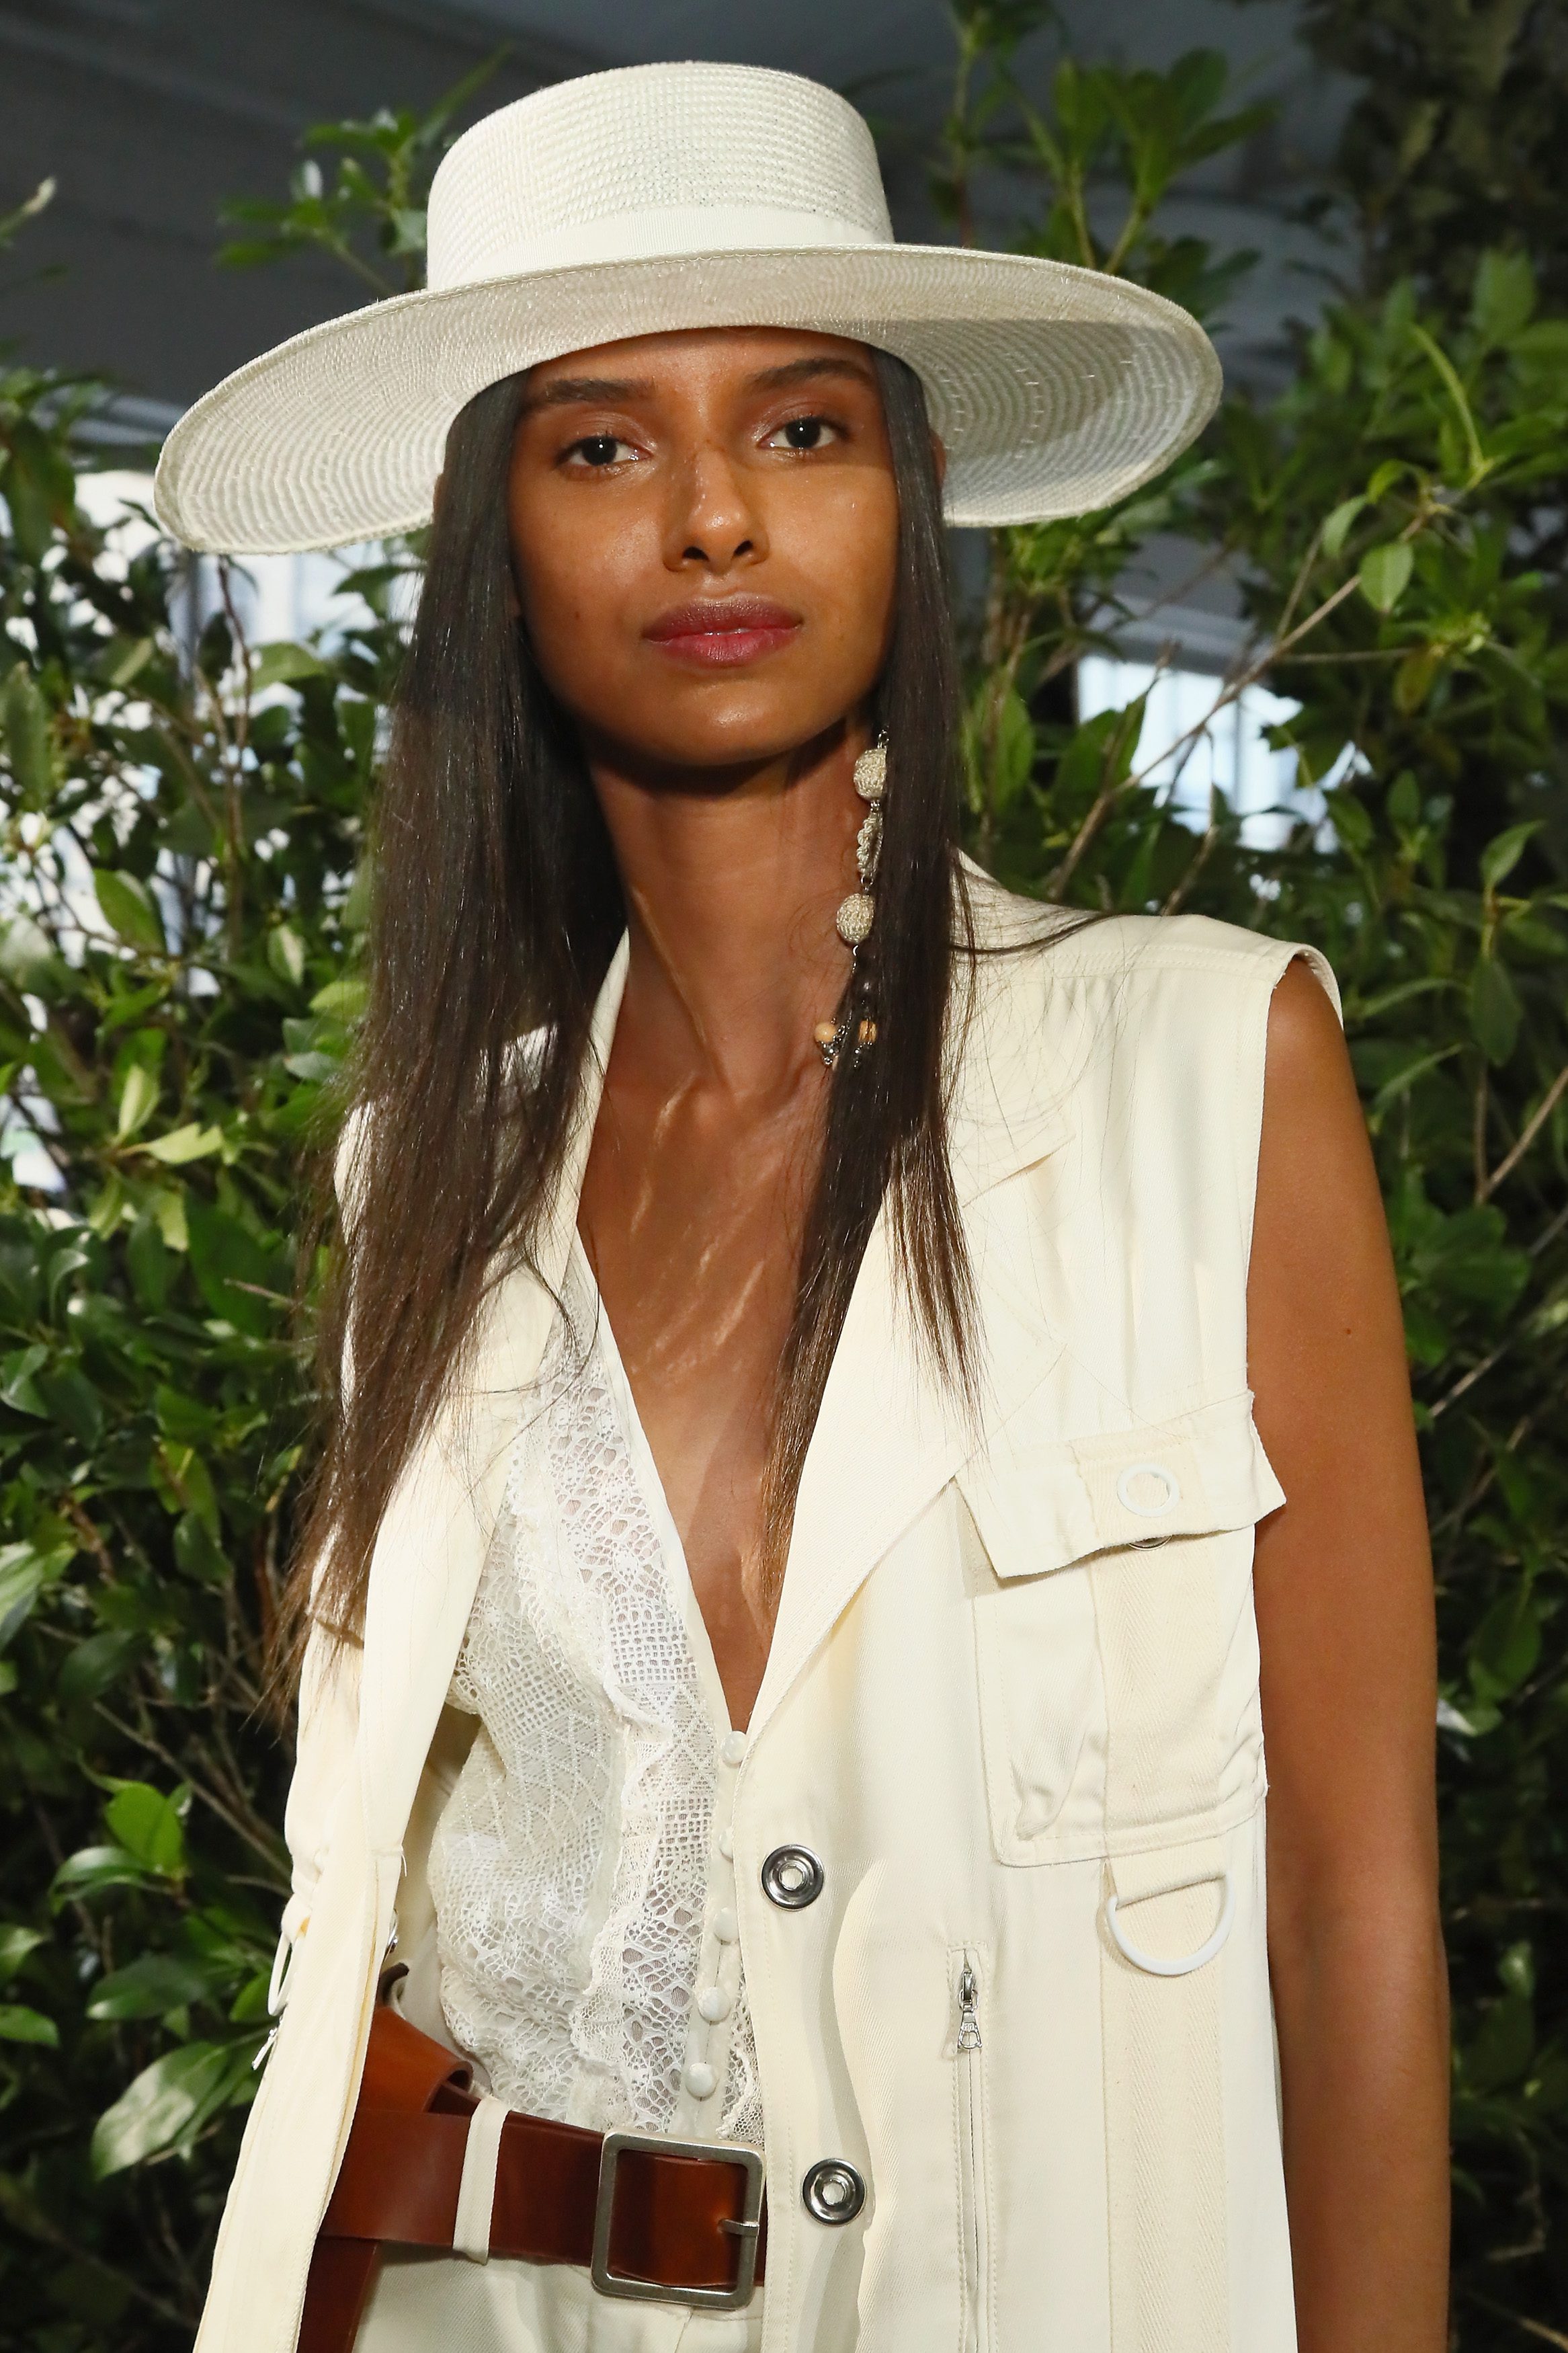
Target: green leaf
column 94, row 1867
column 1506, row 1646
column 313, row 1066
column 1014, row 763
column 137, row 1098
column 150, row 1262
column 130, row 662
column 1337, row 529
column 73, row 1402
column 1494, row 1010
column 1384, row 574
column 1503, row 2049
column 286, row 954
column 26, row 716
column 1503, row 299
column 16, row 1943
column 20, row 2024
column 345, row 1000
column 168, row 2102
column 128, row 908
column 197, row 1552
column 239, row 1278
column 183, row 1144
column 19, row 1388
column 96, row 1664
column 284, row 664
column 1503, row 852
column 151, row 1826
column 24, row 1572
column 151, row 1987
column 26, row 959
column 1404, row 803
column 1516, row 1967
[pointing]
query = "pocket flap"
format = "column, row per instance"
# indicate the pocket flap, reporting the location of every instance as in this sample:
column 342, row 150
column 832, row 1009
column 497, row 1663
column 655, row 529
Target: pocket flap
column 1042, row 1504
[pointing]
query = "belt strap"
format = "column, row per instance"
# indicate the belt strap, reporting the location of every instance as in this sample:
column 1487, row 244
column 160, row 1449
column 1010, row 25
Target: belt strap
column 409, row 2161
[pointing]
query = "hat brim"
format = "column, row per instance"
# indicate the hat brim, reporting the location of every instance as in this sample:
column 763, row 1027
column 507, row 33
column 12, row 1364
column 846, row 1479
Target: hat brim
column 1056, row 390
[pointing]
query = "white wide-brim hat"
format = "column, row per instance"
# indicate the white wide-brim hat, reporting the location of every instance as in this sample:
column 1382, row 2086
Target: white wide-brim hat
column 667, row 196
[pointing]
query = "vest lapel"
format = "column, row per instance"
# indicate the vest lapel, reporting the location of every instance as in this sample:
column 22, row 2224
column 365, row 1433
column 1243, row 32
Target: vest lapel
column 439, row 1526
column 888, row 1437
column 889, row 1434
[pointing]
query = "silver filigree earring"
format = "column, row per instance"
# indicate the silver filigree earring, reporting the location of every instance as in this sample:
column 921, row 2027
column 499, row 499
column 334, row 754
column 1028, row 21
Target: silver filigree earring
column 856, row 914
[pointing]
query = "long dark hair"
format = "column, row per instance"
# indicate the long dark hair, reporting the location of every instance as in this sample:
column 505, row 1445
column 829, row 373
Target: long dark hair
column 497, row 909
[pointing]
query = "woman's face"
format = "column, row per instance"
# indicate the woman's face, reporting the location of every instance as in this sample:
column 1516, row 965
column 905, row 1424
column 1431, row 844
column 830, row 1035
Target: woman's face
column 704, row 532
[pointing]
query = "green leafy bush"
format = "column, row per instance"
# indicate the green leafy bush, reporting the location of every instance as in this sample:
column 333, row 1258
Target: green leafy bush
column 182, row 821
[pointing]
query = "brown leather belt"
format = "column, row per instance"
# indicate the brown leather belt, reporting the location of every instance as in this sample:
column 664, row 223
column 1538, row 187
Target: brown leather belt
column 652, row 2219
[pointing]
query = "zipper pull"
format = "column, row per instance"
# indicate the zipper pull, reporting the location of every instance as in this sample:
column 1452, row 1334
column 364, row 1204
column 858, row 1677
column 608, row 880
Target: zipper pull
column 968, row 2011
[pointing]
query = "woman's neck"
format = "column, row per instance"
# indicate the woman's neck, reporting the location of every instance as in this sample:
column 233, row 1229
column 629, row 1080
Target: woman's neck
column 732, row 882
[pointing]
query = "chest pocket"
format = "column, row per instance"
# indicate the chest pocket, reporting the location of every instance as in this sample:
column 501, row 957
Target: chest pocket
column 1115, row 1644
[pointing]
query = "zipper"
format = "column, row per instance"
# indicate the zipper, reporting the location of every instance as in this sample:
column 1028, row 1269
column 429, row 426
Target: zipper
column 969, row 2097
column 968, row 2008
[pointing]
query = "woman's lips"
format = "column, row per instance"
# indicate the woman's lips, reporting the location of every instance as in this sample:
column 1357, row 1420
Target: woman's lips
column 723, row 632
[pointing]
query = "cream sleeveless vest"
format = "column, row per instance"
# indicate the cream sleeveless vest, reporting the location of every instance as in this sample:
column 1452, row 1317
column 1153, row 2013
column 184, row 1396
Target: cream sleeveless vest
column 1011, row 1705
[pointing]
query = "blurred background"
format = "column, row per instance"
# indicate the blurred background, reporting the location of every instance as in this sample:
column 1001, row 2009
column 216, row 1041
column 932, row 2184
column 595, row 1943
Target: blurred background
column 152, row 115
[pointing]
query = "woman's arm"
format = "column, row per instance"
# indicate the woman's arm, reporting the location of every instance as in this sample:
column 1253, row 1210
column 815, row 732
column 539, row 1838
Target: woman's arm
column 1345, row 1622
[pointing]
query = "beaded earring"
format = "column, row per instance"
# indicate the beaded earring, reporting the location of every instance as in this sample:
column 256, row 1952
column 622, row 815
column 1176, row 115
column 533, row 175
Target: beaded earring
column 856, row 911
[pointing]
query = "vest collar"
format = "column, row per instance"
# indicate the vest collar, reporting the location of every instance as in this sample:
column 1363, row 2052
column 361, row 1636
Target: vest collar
column 888, row 1437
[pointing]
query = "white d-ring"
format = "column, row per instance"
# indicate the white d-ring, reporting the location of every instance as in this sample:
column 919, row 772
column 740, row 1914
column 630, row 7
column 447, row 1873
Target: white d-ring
column 1170, row 1490
column 1188, row 1961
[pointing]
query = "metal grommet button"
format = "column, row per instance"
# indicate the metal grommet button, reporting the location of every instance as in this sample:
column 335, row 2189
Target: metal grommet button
column 833, row 2191
column 792, row 1876
column 1138, row 1500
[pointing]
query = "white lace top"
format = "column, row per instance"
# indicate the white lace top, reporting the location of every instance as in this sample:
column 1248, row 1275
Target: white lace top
column 582, row 1870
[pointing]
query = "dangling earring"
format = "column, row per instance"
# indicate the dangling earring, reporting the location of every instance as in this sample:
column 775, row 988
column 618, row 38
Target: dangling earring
column 856, row 913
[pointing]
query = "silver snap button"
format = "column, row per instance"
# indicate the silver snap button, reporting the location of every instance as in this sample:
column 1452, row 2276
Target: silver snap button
column 792, row 1877
column 833, row 2191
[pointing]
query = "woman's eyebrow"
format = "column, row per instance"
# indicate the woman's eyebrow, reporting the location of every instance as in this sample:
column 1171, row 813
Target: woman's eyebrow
column 775, row 379
column 567, row 390
column 561, row 390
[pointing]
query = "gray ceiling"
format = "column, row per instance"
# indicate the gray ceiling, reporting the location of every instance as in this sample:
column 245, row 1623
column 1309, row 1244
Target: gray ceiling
column 149, row 113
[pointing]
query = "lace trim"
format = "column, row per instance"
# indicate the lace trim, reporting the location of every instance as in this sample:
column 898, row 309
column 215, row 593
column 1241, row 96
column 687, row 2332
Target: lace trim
column 570, row 1868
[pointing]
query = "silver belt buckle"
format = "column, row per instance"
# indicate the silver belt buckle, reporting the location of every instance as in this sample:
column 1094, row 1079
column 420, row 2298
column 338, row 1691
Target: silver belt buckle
column 746, row 2231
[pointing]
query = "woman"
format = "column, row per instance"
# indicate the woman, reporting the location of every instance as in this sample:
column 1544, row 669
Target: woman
column 798, row 1587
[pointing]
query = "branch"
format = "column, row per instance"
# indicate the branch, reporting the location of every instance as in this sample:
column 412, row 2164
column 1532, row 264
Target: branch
column 1237, row 686
column 1530, row 1129
column 1468, row 1380
column 265, row 1846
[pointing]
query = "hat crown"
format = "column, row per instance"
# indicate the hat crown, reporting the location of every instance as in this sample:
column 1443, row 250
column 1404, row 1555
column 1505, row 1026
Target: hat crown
column 655, row 159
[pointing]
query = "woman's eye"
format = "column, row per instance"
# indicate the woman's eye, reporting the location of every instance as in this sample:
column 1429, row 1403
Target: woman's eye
column 804, row 433
column 597, row 450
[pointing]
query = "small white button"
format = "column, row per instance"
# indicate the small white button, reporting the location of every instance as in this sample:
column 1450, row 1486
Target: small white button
column 713, row 2003
column 733, row 1747
column 699, row 2080
column 727, row 1845
column 726, row 1927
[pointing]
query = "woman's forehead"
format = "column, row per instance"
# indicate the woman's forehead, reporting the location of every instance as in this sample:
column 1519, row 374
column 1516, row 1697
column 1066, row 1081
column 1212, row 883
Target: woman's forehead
column 712, row 351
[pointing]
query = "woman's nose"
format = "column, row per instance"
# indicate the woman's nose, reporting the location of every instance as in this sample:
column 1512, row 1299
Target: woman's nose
column 714, row 519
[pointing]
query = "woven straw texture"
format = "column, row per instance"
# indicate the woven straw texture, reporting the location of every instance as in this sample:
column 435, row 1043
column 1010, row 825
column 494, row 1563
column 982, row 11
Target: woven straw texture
column 660, row 197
